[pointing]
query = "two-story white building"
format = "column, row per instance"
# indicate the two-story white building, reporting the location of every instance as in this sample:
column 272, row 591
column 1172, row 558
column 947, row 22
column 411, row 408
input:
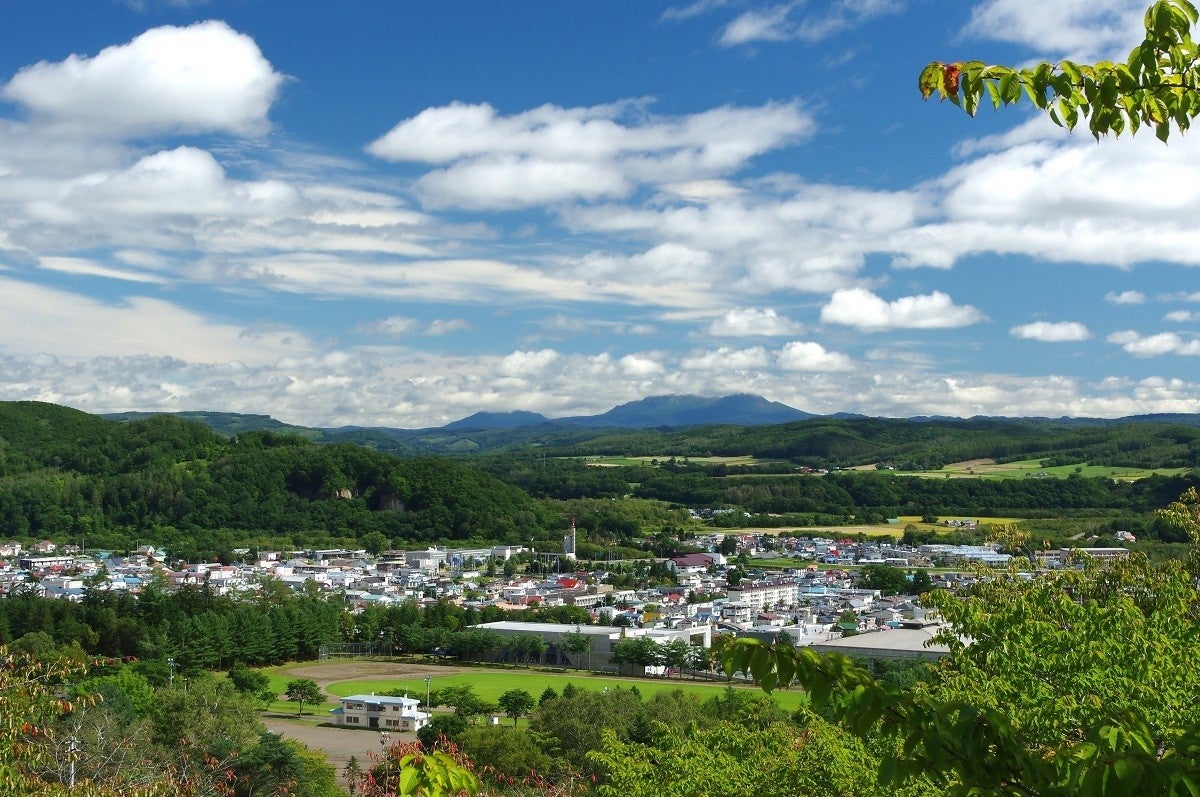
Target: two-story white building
column 380, row 712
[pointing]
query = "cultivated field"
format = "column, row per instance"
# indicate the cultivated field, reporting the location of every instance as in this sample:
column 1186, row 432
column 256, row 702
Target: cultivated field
column 971, row 469
column 1032, row 468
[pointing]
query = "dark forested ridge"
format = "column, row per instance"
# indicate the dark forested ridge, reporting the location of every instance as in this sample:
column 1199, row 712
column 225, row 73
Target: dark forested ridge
column 846, row 442
column 66, row 473
column 1150, row 441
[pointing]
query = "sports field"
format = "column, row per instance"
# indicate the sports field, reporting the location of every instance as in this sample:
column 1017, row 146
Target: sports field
column 340, row 679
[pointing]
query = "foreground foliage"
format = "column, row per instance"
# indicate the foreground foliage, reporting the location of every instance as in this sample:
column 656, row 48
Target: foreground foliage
column 1082, row 682
column 99, row 729
column 1157, row 86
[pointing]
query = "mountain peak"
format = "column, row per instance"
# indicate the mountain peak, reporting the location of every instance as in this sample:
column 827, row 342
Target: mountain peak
column 742, row 409
column 498, row 420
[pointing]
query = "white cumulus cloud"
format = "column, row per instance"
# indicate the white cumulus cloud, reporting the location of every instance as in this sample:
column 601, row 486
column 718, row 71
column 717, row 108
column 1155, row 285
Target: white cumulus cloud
column 750, row 321
column 859, row 308
column 1154, row 345
column 1052, row 332
column 810, row 356
column 1077, row 29
column 202, row 78
column 1125, row 297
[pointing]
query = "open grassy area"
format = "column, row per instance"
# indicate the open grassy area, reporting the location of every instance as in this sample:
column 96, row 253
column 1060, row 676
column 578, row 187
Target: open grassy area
column 1032, row 469
column 279, row 683
column 490, row 684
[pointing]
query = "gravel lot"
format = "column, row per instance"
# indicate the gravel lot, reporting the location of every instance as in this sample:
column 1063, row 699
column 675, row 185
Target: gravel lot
column 338, row 744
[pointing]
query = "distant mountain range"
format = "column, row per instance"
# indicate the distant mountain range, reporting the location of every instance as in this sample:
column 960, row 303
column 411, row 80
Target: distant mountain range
column 654, row 412
column 742, row 409
column 693, row 423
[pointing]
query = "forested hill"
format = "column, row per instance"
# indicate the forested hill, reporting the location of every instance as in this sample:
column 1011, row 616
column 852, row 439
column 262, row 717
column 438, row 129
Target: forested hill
column 904, row 444
column 917, row 444
column 1157, row 441
column 65, row 473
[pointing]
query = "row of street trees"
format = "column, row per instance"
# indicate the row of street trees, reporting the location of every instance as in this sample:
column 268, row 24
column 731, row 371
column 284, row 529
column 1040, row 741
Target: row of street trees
column 632, row 653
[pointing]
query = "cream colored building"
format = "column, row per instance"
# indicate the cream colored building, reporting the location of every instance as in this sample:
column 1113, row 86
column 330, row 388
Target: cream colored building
column 380, row 712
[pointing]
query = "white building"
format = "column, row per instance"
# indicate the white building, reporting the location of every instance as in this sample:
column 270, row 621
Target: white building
column 380, row 712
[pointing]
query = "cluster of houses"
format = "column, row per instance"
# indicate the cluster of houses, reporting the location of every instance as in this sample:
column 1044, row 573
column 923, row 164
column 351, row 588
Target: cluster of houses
column 808, row 604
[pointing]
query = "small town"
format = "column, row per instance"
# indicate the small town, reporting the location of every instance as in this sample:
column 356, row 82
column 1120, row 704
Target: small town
column 814, row 603
column 706, row 398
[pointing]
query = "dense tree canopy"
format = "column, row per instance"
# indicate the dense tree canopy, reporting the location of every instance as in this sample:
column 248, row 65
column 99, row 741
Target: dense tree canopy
column 1077, row 682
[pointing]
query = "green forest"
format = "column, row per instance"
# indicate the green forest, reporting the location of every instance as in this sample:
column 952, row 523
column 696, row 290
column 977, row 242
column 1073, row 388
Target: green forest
column 73, row 477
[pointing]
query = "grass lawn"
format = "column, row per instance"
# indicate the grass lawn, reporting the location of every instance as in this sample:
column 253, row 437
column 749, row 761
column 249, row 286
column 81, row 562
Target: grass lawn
column 490, row 684
column 279, row 686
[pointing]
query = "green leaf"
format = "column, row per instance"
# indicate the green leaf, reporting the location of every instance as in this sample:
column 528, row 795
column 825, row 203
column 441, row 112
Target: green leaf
column 930, row 79
column 761, row 665
column 993, row 92
column 1010, row 88
column 410, row 780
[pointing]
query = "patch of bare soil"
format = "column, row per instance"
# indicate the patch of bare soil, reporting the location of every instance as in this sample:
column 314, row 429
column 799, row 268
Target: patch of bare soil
column 338, row 744
column 972, row 463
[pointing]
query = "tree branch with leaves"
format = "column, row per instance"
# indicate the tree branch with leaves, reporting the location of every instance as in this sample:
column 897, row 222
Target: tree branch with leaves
column 1157, row 86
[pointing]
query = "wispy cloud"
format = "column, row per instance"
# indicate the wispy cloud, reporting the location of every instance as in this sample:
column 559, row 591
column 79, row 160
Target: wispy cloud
column 800, row 21
column 551, row 154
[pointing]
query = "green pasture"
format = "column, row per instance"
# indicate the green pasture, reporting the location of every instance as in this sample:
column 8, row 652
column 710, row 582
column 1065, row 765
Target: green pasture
column 490, row 684
column 1032, row 469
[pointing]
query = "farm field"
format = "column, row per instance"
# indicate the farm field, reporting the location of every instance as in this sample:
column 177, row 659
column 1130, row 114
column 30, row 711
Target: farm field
column 872, row 530
column 1032, row 468
column 971, row 469
column 611, row 461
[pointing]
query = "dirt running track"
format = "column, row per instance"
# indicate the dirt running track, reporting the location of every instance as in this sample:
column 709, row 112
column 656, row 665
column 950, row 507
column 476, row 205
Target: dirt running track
column 338, row 744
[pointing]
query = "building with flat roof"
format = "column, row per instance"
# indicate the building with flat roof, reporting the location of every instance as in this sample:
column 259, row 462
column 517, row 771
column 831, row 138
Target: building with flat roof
column 892, row 643
column 603, row 638
column 380, row 712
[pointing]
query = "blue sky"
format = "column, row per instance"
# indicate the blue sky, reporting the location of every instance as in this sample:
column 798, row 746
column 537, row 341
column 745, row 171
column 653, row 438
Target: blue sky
column 399, row 214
